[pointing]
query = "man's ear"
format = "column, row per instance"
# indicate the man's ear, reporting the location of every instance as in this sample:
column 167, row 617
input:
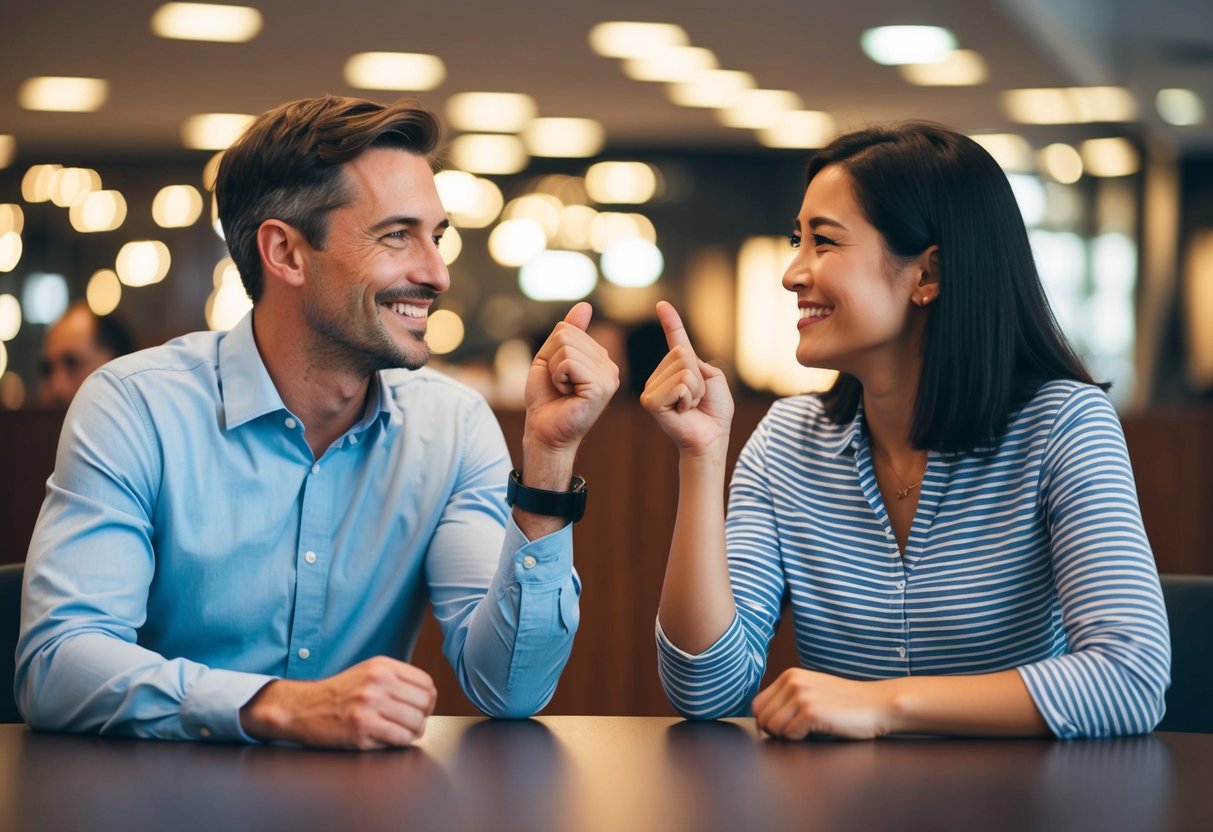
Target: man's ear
column 926, row 290
column 282, row 248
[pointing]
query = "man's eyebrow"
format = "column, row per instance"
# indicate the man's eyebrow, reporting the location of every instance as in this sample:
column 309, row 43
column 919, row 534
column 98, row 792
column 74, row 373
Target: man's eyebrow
column 408, row 222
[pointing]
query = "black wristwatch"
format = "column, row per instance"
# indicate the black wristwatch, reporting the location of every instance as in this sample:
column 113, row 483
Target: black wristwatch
column 567, row 504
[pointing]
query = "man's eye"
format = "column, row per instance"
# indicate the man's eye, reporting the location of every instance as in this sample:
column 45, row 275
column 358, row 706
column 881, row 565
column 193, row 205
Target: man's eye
column 437, row 240
column 394, row 235
column 794, row 239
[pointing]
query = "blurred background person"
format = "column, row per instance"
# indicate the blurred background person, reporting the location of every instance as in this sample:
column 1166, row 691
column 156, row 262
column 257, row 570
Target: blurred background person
column 75, row 345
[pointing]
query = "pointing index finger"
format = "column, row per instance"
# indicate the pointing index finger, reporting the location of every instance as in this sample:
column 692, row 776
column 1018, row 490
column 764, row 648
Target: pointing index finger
column 671, row 323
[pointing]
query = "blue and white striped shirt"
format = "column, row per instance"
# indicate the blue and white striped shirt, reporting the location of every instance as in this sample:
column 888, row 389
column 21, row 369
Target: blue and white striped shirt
column 1032, row 557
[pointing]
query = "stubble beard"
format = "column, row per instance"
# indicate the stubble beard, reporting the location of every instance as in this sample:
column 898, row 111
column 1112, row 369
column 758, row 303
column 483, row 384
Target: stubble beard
column 336, row 345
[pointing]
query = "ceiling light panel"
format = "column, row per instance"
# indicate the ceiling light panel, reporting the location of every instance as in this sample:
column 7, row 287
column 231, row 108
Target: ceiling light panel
column 490, row 112
column 207, row 22
column 893, row 45
column 394, row 71
column 961, row 68
column 63, row 94
column 213, row 131
column 627, row 39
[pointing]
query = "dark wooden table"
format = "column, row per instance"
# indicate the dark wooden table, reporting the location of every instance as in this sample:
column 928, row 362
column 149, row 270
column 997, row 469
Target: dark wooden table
column 608, row 773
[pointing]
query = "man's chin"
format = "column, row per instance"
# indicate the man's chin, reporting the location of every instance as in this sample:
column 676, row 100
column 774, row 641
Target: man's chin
column 407, row 359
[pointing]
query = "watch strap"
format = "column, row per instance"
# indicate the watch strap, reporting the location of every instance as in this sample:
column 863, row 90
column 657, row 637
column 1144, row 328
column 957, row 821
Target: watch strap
column 567, row 504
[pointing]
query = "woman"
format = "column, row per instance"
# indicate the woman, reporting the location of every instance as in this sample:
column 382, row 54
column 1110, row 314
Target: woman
column 954, row 525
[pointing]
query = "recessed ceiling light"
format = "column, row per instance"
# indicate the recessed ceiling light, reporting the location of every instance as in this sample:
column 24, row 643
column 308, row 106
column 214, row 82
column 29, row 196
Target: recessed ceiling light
column 564, row 137
column 394, row 71
column 1180, row 107
column 213, row 131
column 1114, row 156
column 759, row 109
column 892, row 45
column 626, row 39
column 670, row 65
column 206, row 21
column 1010, row 150
column 714, row 88
column 1070, row 105
column 490, row 112
column 488, row 153
column 1062, row 162
column 801, row 129
column 63, row 94
column 961, row 68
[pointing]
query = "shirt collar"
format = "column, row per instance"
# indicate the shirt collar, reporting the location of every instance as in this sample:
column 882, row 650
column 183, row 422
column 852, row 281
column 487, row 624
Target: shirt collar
column 849, row 436
column 245, row 384
column 248, row 391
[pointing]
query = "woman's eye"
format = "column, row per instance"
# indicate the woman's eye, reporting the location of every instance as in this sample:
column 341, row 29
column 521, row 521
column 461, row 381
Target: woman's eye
column 794, row 239
column 822, row 240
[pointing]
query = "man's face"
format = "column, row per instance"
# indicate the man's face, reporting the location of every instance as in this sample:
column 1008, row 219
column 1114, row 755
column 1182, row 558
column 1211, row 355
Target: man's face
column 69, row 355
column 368, row 293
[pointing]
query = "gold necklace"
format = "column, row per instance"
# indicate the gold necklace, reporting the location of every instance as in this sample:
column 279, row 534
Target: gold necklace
column 902, row 493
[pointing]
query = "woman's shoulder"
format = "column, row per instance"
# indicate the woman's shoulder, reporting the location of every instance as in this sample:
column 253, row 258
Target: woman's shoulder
column 802, row 421
column 1064, row 395
column 1062, row 402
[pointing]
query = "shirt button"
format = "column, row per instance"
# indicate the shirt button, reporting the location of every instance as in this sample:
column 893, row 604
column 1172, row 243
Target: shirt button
column 305, row 653
column 888, row 533
column 290, row 423
column 901, row 584
column 316, row 468
column 310, row 557
column 353, row 440
column 901, row 651
column 205, row 732
column 529, row 562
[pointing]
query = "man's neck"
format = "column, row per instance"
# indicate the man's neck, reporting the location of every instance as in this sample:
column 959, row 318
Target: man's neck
column 327, row 399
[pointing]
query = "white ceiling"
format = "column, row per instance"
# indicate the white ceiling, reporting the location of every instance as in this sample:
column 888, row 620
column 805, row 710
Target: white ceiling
column 540, row 47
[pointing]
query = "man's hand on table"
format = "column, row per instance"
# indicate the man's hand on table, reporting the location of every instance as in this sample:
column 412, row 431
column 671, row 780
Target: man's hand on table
column 378, row 703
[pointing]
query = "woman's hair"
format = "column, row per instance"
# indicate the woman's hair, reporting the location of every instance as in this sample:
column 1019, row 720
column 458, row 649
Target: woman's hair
column 288, row 166
column 990, row 340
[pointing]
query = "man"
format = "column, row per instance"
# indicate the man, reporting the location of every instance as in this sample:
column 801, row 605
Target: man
column 243, row 529
column 75, row 345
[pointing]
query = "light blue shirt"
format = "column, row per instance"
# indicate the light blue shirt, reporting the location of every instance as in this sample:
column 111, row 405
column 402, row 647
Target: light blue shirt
column 1031, row 556
column 191, row 549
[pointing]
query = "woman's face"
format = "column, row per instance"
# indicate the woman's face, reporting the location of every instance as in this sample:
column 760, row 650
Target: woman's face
column 857, row 303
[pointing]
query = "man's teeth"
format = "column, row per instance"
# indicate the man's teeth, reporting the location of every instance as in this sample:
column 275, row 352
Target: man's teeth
column 408, row 310
column 815, row 312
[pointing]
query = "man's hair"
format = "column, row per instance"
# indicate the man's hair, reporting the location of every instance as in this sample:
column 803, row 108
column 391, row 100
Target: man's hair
column 991, row 340
column 288, row 166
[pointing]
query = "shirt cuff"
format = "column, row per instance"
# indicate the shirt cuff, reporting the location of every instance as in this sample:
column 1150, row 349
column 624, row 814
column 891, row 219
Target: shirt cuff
column 547, row 560
column 211, row 710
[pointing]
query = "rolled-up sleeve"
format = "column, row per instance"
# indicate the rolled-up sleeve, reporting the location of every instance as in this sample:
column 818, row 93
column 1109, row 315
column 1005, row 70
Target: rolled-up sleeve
column 1114, row 677
column 722, row 680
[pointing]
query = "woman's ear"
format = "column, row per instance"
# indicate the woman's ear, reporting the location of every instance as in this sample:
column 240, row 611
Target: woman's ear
column 282, row 248
column 926, row 290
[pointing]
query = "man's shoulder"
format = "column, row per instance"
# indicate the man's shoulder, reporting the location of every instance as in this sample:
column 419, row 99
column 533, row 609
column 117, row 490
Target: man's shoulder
column 429, row 387
column 185, row 354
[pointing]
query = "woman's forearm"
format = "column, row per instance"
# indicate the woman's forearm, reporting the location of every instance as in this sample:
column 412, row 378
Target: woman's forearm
column 697, row 598
column 992, row 704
